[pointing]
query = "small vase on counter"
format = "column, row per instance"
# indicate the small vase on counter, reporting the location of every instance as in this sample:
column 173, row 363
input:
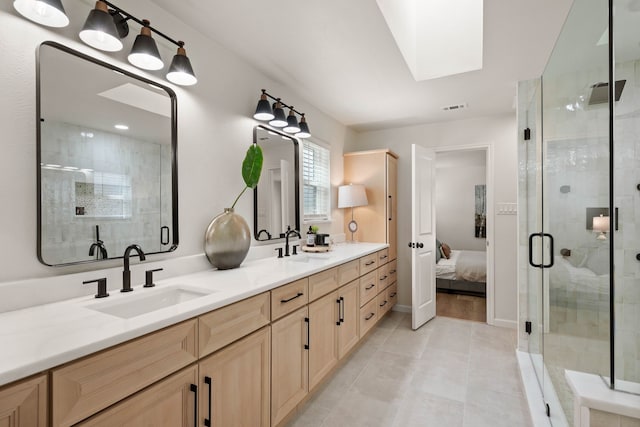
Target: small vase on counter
column 227, row 240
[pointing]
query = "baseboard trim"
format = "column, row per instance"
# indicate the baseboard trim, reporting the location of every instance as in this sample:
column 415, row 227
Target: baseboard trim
column 402, row 308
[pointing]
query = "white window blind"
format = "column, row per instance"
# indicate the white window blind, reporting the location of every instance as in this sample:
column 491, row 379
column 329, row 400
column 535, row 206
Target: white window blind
column 316, row 183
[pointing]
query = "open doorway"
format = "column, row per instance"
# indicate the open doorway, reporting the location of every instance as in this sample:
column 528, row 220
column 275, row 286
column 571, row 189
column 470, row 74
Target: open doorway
column 462, row 222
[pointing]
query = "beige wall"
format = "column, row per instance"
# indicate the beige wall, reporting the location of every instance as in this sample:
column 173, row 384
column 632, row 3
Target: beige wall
column 500, row 133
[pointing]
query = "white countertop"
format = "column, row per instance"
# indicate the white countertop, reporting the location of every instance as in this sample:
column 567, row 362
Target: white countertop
column 39, row 338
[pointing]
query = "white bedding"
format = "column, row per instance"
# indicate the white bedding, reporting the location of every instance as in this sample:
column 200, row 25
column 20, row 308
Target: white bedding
column 463, row 265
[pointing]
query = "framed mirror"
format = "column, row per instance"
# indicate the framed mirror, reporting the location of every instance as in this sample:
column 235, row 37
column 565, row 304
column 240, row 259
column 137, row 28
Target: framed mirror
column 276, row 200
column 107, row 160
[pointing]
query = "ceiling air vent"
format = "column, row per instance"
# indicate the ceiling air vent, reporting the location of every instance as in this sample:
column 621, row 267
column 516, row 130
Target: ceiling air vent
column 455, row 107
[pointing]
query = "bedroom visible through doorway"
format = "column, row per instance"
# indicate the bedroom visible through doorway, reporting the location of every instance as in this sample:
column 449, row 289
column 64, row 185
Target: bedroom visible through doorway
column 461, row 231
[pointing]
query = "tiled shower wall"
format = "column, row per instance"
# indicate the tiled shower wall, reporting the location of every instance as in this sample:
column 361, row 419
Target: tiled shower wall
column 143, row 172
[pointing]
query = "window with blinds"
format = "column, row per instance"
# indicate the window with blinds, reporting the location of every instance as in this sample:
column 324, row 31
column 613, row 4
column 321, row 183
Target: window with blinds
column 316, row 183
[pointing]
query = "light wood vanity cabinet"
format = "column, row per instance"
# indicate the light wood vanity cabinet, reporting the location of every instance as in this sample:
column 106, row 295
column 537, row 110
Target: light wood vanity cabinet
column 288, row 298
column 349, row 314
column 86, row 386
column 368, row 263
column 368, row 287
column 24, row 404
column 235, row 383
column 169, row 403
column 323, row 337
column 322, row 283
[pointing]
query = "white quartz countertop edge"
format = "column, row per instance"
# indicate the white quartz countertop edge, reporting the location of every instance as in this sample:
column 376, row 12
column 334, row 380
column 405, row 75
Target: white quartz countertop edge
column 39, row 338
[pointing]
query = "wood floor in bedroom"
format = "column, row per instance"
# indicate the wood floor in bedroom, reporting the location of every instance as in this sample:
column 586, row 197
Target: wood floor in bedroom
column 461, row 306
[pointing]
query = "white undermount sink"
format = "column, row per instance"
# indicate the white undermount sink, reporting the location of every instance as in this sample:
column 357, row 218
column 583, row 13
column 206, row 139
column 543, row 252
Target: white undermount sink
column 307, row 257
column 143, row 301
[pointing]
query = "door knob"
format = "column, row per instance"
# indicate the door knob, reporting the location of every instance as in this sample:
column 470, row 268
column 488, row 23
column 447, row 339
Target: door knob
column 412, row 245
column 420, row 245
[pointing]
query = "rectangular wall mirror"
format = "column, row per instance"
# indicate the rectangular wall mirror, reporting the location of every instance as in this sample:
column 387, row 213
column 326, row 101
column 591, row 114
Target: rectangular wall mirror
column 107, row 165
column 276, row 200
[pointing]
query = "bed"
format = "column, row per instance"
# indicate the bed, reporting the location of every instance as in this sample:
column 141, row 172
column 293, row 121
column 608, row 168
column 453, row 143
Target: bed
column 463, row 272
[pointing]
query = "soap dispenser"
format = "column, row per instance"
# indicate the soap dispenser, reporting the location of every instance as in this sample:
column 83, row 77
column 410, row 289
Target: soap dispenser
column 311, row 237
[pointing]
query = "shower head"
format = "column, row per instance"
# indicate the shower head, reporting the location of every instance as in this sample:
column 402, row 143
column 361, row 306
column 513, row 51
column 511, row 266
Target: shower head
column 600, row 92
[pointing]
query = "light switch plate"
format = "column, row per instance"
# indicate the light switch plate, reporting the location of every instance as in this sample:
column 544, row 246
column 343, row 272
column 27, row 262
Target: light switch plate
column 507, row 208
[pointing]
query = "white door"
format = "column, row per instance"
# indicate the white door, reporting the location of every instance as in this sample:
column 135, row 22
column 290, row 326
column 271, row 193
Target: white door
column 423, row 236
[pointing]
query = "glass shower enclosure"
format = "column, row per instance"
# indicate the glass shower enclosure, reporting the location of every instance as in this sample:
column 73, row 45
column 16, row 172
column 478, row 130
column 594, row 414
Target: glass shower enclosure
column 579, row 189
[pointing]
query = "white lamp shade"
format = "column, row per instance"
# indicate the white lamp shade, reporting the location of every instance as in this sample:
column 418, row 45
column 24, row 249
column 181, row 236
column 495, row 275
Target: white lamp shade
column 352, row 195
column 601, row 224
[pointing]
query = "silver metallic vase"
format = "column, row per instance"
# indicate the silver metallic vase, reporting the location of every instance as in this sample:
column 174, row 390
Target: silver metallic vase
column 227, row 240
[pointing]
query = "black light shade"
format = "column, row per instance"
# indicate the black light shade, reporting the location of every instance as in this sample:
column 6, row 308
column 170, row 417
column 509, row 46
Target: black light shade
column 144, row 53
column 45, row 12
column 292, row 123
column 304, row 129
column 99, row 30
column 263, row 109
column 180, row 71
column 280, row 120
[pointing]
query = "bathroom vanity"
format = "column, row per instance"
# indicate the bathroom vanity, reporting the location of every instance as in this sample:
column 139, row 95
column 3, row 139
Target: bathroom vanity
column 244, row 347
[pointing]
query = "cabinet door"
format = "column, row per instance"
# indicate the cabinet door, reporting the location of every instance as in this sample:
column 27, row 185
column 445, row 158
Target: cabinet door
column 289, row 363
column 24, row 404
column 323, row 337
column 348, row 333
column 392, row 206
column 235, row 383
column 170, row 403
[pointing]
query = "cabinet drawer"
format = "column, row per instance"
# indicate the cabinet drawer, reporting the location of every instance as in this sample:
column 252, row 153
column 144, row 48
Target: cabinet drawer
column 368, row 316
column 383, row 277
column 225, row 325
column 368, row 263
column 288, row 298
column 24, row 404
column 169, row 403
column 393, row 271
column 322, row 283
column 383, row 256
column 392, row 294
column 383, row 303
column 348, row 272
column 89, row 385
column 368, row 287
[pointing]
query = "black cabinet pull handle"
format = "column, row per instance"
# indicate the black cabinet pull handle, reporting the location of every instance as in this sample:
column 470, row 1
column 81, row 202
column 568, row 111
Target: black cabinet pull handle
column 383, row 257
column 393, row 294
column 209, row 420
column 194, row 389
column 383, row 278
column 298, row 295
column 369, row 316
column 384, row 303
column 341, row 309
column 308, row 344
column 164, row 229
column 392, row 272
column 390, row 208
column 369, row 263
column 371, row 286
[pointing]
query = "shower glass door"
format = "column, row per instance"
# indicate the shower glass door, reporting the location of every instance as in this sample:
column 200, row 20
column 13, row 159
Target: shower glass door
column 575, row 205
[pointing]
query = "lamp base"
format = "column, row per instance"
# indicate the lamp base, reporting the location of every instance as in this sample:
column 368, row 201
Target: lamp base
column 353, row 227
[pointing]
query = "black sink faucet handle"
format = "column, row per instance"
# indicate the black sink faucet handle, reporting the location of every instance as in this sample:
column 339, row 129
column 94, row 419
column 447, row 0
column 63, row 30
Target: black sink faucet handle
column 102, row 287
column 148, row 278
column 295, row 249
column 279, row 252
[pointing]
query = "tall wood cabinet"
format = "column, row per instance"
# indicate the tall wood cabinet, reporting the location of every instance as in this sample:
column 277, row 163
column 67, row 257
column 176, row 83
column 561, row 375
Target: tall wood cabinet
column 377, row 170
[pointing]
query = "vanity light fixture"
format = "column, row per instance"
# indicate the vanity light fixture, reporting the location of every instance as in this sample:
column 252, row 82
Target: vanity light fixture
column 100, row 31
column 277, row 117
column 104, row 28
column 292, row 122
column 45, row 12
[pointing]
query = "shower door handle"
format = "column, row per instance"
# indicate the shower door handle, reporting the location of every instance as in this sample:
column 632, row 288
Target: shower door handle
column 531, row 237
column 543, row 235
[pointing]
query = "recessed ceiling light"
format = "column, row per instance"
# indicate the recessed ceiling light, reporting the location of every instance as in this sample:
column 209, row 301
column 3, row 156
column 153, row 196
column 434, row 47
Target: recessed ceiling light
column 122, row 127
column 86, row 134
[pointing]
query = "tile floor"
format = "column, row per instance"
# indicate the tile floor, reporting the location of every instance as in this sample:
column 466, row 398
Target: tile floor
column 448, row 373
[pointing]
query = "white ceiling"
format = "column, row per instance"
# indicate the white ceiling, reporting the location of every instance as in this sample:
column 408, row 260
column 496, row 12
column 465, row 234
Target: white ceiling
column 340, row 56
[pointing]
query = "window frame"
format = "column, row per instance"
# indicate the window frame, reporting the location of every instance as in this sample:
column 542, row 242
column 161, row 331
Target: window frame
column 317, row 218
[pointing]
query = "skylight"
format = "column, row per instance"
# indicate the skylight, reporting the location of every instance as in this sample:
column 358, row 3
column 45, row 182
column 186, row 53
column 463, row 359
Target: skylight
column 437, row 38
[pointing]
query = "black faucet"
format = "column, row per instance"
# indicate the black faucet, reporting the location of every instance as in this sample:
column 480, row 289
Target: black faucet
column 126, row 274
column 287, row 234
